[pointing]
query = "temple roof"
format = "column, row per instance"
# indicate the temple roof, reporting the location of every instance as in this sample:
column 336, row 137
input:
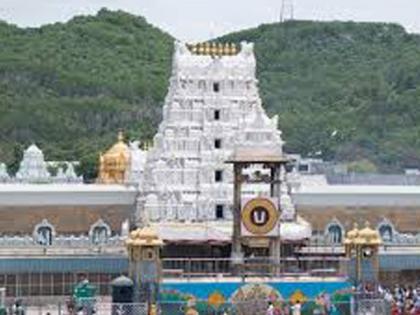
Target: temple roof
column 120, row 147
column 257, row 155
column 213, row 49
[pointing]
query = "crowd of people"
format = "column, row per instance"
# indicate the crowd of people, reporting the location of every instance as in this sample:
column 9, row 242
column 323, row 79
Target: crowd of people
column 322, row 306
column 403, row 300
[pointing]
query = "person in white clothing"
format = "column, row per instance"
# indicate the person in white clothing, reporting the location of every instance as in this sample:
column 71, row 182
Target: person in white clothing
column 270, row 309
column 296, row 308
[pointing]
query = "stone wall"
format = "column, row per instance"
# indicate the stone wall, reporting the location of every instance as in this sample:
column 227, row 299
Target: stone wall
column 404, row 219
column 74, row 220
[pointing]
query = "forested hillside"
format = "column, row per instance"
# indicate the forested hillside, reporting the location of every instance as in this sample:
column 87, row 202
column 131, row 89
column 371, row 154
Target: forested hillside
column 70, row 87
column 343, row 91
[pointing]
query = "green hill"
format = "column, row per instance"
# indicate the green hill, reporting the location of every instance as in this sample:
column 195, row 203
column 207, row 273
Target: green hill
column 70, row 87
column 343, row 91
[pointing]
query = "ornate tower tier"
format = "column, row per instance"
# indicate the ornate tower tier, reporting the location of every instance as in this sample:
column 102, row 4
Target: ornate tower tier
column 212, row 105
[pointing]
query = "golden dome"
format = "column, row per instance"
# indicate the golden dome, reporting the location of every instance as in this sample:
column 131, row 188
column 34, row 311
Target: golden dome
column 365, row 236
column 119, row 148
column 367, row 231
column 353, row 233
column 114, row 164
column 370, row 235
column 146, row 236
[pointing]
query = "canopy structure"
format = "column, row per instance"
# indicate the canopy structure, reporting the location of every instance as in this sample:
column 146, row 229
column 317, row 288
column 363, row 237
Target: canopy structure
column 192, row 233
column 257, row 155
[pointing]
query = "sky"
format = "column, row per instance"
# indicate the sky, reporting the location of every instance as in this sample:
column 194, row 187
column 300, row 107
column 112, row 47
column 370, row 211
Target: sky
column 195, row 20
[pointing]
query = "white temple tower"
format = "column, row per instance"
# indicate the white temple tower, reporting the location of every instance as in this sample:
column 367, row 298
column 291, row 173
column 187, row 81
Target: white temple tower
column 211, row 106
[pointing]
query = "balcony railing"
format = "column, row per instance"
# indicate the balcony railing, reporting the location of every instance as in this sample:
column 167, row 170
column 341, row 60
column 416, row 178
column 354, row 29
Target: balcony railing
column 254, row 267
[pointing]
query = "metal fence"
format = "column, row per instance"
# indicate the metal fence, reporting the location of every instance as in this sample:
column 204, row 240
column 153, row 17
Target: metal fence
column 41, row 285
column 45, row 280
column 96, row 309
column 372, row 307
column 345, row 304
column 256, row 306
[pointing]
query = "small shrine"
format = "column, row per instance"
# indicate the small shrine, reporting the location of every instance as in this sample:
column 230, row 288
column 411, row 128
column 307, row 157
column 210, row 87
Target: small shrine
column 4, row 176
column 33, row 168
column 114, row 165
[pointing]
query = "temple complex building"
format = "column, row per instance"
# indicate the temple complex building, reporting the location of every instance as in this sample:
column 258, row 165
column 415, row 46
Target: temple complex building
column 211, row 106
column 183, row 186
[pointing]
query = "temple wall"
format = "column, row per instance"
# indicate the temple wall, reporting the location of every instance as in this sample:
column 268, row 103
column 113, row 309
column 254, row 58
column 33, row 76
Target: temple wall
column 404, row 219
column 74, row 220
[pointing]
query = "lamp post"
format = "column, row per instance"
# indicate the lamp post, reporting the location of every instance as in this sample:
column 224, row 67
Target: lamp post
column 143, row 246
column 362, row 248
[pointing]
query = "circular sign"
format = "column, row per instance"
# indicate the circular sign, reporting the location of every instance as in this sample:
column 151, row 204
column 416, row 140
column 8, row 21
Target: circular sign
column 259, row 216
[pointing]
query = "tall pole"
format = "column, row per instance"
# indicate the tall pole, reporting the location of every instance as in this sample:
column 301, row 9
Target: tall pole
column 282, row 11
column 276, row 242
column 236, row 236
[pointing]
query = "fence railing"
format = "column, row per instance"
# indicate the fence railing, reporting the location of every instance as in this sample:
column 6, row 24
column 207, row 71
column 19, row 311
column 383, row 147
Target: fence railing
column 98, row 308
column 56, row 283
column 254, row 267
column 251, row 306
column 258, row 306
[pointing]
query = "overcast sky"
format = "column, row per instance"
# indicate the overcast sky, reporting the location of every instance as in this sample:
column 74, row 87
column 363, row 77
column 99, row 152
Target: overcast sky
column 194, row 20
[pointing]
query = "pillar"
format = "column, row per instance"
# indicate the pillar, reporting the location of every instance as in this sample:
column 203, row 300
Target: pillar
column 275, row 243
column 237, row 254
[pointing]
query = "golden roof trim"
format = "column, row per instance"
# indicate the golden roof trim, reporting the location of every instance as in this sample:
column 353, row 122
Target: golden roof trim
column 213, row 49
column 146, row 236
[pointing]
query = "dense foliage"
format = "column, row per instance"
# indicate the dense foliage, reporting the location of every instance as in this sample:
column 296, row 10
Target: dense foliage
column 343, row 91
column 70, row 87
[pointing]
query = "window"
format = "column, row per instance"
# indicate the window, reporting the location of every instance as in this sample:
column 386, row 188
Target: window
column 217, row 114
column 218, row 175
column 44, row 235
column 216, row 87
column 100, row 235
column 99, row 232
column 219, row 212
column 385, row 231
column 303, row 167
column 202, row 85
column 217, row 143
column 335, row 234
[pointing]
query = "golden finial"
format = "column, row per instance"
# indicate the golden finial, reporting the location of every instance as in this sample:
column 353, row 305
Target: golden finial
column 207, row 49
column 213, row 48
column 200, row 49
column 120, row 136
column 226, row 49
column 194, row 48
column 220, row 49
column 232, row 49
